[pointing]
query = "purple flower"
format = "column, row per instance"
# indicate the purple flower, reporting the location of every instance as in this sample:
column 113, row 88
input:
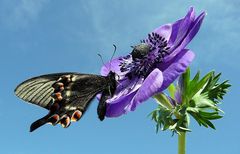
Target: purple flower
column 153, row 64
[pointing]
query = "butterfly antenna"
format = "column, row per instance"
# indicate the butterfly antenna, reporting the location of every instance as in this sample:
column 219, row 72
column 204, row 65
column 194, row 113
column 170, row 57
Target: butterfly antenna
column 115, row 48
column 114, row 51
column 101, row 58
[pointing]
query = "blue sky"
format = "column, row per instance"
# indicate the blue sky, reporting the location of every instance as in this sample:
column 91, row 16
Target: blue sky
column 39, row 37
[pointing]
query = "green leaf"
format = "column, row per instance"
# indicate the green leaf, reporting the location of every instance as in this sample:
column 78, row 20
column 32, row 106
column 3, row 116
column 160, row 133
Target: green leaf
column 195, row 79
column 188, row 119
column 202, row 101
column 163, row 100
column 209, row 123
column 212, row 82
column 202, row 120
column 173, row 126
column 184, row 129
column 200, row 97
column 185, row 79
column 214, row 90
column 172, row 90
column 157, row 128
column 194, row 115
column 210, row 115
column 192, row 109
column 214, row 117
column 218, row 91
column 195, row 88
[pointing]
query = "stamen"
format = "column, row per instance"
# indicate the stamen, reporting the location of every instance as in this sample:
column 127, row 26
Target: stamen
column 145, row 56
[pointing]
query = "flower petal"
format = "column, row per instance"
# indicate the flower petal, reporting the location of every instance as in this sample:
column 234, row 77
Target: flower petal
column 125, row 91
column 128, row 102
column 118, row 107
column 176, row 67
column 164, row 31
column 175, row 32
column 187, row 38
column 150, row 87
column 194, row 30
column 182, row 27
column 112, row 65
column 178, row 96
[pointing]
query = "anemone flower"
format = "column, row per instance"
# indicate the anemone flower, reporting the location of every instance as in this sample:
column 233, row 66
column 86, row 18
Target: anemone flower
column 153, row 64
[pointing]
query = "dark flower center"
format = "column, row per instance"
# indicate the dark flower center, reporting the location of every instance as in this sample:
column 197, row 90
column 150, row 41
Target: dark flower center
column 145, row 56
column 140, row 51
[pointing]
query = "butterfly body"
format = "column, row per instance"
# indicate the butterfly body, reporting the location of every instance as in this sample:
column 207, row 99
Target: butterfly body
column 66, row 95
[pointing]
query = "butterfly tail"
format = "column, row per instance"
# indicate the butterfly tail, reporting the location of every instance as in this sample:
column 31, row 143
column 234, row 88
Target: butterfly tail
column 40, row 122
column 49, row 118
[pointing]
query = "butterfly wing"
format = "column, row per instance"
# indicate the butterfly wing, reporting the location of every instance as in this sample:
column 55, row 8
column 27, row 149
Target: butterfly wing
column 38, row 90
column 65, row 95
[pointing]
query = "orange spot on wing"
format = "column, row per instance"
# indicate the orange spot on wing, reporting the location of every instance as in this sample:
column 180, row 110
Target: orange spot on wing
column 53, row 119
column 76, row 115
column 65, row 122
column 58, row 96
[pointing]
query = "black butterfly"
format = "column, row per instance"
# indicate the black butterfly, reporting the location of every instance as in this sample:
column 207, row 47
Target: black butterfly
column 66, row 95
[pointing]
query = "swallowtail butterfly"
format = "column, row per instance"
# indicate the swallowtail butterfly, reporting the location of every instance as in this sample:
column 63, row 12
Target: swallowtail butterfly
column 66, row 95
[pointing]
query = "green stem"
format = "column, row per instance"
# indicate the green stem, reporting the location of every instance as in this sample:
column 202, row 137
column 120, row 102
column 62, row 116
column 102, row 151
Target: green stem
column 182, row 143
column 163, row 100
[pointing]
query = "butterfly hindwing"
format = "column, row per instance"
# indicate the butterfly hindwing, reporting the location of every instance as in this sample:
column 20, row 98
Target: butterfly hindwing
column 65, row 95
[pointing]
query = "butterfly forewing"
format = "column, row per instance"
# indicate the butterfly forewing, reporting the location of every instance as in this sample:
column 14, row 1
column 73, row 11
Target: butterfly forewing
column 37, row 90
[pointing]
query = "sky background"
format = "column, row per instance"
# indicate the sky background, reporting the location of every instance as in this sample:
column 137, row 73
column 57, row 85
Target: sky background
column 44, row 36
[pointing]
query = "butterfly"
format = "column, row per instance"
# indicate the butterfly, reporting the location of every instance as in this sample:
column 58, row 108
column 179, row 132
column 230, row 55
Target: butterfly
column 66, row 95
